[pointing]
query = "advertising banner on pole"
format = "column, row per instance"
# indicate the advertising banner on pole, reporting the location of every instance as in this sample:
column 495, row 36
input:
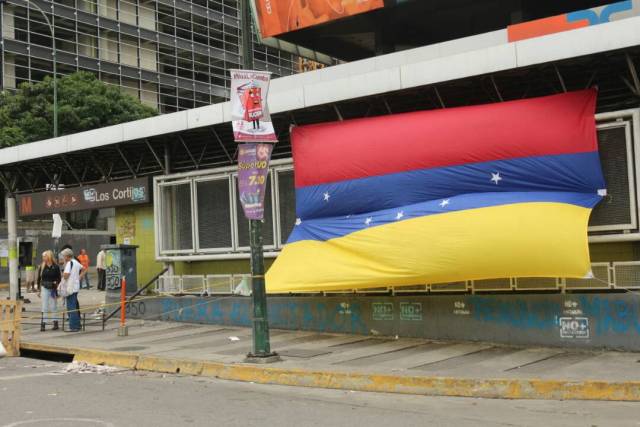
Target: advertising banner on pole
column 253, row 172
column 249, row 111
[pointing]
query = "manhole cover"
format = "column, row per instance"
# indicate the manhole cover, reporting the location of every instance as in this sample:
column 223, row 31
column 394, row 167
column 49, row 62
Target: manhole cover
column 131, row 348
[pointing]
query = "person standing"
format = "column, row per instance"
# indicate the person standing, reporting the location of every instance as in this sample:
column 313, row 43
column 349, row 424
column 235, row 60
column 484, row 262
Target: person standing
column 84, row 260
column 102, row 269
column 47, row 280
column 73, row 273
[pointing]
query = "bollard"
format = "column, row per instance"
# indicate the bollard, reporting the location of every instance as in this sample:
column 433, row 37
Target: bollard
column 123, row 330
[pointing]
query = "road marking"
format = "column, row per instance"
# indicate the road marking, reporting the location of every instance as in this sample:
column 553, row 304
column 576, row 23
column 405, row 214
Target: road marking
column 48, row 420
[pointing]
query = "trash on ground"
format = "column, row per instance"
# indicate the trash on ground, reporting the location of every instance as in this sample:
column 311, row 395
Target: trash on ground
column 88, row 368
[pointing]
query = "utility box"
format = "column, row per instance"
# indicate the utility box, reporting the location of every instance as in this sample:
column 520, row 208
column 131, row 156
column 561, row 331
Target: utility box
column 120, row 262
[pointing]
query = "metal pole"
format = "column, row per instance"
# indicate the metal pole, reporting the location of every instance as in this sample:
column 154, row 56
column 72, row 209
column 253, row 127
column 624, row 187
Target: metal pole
column 169, row 266
column 261, row 343
column 55, row 67
column 12, row 225
column 247, row 36
column 261, row 348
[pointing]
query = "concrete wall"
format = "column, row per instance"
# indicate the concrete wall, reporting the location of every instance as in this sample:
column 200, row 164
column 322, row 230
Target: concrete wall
column 108, row 44
column 594, row 320
column 87, row 45
column 148, row 52
column 130, row 87
column 108, row 8
column 128, row 12
column 147, row 15
column 8, row 23
column 135, row 226
column 149, row 94
column 9, row 72
column 129, row 51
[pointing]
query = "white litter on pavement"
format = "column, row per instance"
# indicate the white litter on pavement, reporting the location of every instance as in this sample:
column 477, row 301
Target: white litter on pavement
column 88, row 368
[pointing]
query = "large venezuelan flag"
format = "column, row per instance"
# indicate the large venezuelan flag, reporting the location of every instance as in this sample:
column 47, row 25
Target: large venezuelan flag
column 499, row 190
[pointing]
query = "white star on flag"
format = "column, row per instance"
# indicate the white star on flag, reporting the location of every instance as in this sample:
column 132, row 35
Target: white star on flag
column 444, row 203
column 326, row 196
column 298, row 221
column 495, row 177
column 368, row 221
column 400, row 215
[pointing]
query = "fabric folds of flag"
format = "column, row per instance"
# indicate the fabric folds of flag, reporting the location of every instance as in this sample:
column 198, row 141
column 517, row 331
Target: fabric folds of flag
column 499, row 190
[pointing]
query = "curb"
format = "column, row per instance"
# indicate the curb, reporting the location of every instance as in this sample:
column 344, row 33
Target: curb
column 495, row 388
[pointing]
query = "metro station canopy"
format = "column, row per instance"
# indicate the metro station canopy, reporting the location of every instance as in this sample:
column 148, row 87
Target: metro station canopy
column 372, row 27
column 470, row 71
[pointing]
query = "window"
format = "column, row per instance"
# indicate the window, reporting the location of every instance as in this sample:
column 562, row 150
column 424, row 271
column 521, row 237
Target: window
column 176, row 217
column 617, row 211
column 214, row 214
column 286, row 204
column 201, row 215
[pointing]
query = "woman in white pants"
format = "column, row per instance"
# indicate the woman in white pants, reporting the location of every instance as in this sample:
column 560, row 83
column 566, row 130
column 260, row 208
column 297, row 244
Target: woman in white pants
column 47, row 282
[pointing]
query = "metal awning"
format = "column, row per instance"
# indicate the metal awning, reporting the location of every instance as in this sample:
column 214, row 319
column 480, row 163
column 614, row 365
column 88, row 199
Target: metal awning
column 464, row 72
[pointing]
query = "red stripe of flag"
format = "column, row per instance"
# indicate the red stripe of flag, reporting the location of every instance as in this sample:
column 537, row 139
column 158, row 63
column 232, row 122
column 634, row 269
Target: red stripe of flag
column 338, row 151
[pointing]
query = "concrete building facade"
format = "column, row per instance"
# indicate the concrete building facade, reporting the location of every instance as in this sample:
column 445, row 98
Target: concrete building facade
column 172, row 55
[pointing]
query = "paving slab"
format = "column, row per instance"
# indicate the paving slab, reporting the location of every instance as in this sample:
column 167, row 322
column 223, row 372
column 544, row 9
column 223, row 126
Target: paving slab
column 433, row 353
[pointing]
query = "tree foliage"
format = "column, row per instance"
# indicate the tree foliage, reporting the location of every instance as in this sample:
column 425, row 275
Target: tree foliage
column 84, row 103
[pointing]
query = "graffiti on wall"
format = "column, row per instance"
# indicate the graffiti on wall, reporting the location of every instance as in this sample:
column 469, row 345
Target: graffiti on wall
column 112, row 270
column 597, row 315
column 320, row 316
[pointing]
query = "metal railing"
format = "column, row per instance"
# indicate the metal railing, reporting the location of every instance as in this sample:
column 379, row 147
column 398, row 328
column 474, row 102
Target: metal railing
column 134, row 296
column 614, row 275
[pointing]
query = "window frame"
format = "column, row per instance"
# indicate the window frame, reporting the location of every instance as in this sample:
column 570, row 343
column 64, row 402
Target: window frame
column 159, row 214
column 193, row 178
column 631, row 176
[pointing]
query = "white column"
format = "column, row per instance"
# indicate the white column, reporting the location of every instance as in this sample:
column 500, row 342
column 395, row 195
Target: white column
column 12, row 225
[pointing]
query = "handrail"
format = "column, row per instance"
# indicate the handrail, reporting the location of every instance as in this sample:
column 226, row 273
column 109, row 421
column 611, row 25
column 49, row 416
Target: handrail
column 132, row 297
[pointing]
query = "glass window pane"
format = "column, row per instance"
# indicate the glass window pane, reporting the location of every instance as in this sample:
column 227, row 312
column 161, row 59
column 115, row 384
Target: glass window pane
column 287, row 204
column 176, row 215
column 243, row 222
column 214, row 214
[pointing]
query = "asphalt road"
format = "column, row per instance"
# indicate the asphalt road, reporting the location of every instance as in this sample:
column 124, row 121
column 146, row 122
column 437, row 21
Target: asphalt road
column 39, row 393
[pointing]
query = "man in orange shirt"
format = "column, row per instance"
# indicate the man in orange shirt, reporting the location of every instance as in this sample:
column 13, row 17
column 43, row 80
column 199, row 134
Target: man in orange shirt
column 84, row 260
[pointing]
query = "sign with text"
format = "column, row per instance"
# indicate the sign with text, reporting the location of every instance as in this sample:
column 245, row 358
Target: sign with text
column 410, row 311
column 574, row 327
column 382, row 311
column 253, row 171
column 250, row 116
column 282, row 16
column 107, row 195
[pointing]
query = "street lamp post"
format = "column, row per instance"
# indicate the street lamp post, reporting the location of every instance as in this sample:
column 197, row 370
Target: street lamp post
column 261, row 349
column 55, row 65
